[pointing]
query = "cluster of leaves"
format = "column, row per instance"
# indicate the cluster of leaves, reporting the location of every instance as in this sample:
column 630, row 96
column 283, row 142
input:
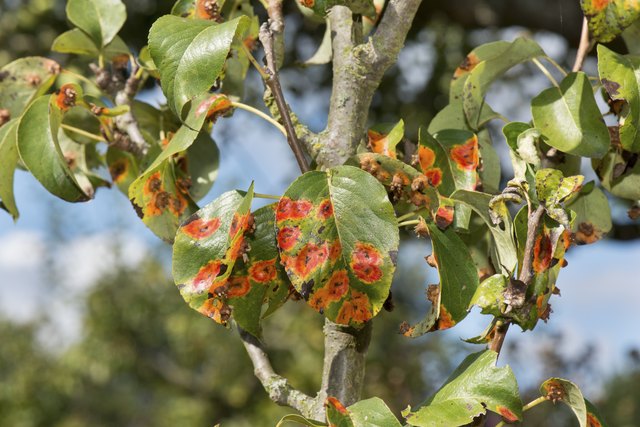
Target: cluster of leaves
column 332, row 239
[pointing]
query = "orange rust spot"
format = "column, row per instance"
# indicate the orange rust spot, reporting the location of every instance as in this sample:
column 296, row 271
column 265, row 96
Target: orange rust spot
column 506, row 413
column 420, row 199
column 67, row 97
column 426, row 157
column 379, row 143
column 307, row 3
column 365, row 263
column 239, row 224
column 356, row 309
column 208, row 9
column 542, row 253
column 444, row 216
column 335, row 403
column 238, row 287
column 310, row 257
column 153, row 184
column 592, row 420
column 587, row 234
column 288, row 237
column 118, row 170
column 292, row 209
column 200, row 228
column 468, row 64
column 466, row 155
column 445, row 321
column 205, row 277
column 177, row 204
column 599, row 5
column 263, row 271
column 335, row 250
column 237, row 248
column 434, row 176
column 325, row 211
column 334, row 290
column 215, row 309
column 540, row 302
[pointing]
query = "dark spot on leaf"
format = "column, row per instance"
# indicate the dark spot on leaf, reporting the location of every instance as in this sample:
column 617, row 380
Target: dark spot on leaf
column 306, row 289
column 138, row 210
column 3, row 75
column 393, row 255
column 223, row 269
column 321, row 229
column 610, row 87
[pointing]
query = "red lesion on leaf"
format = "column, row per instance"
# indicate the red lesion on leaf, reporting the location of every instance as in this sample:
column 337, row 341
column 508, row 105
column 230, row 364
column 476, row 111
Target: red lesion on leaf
column 468, row 64
column 335, row 250
column 332, row 291
column 216, row 309
column 119, row 170
column 200, row 228
column 239, row 224
column 288, row 237
column 263, row 271
column 356, row 309
column 238, row 287
column 466, row 155
column 445, row 321
column 310, row 257
column 599, row 5
column 177, row 204
column 426, row 157
column 325, row 211
column 307, row 3
column 434, row 176
column 444, row 216
column 208, row 9
column 67, row 97
column 292, row 209
column 379, row 143
column 555, row 391
column 337, row 405
column 206, row 276
column 506, row 413
column 365, row 263
column 237, row 248
column 592, row 420
column 542, row 253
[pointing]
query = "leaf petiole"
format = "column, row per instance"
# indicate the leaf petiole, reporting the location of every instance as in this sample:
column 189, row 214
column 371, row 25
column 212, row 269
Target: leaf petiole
column 406, row 216
column 259, row 113
column 82, row 132
column 406, row 223
column 263, row 74
column 545, row 72
column 266, row 196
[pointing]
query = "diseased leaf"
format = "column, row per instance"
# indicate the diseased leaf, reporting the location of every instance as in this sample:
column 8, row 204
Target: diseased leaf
column 338, row 239
column 592, row 215
column 75, row 155
column 475, row 386
column 8, row 162
column 207, row 246
column 40, row 151
column 608, row 18
column 100, row 19
column 337, row 414
column 190, row 55
column 321, row 7
column 489, row 169
column 553, row 189
column 594, row 419
column 560, row 390
column 483, row 73
column 372, row 412
column 23, row 80
column 489, row 295
column 619, row 173
column 504, row 248
column 160, row 201
column 569, row 117
column 383, row 138
column 619, row 79
column 123, row 168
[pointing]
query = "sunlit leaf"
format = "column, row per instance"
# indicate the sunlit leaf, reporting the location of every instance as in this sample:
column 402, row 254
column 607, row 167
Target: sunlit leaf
column 207, row 246
column 608, row 18
column 569, row 117
column 490, row 295
column 8, row 162
column 77, row 42
column 619, row 173
column 475, row 386
column 338, row 240
column 100, row 19
column 560, row 390
column 23, row 80
column 40, row 151
column 592, row 215
column 190, row 54
column 337, row 414
column 619, row 79
column 372, row 412
column 383, row 138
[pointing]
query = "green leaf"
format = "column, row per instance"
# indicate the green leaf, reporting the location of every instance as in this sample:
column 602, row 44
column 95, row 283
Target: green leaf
column 594, row 419
column 262, row 270
column 23, row 80
column 77, row 42
column 207, row 246
column 100, row 19
column 619, row 79
column 569, row 117
column 40, row 151
column 123, row 168
column 592, row 215
column 607, row 19
column 299, row 419
column 337, row 414
column 372, row 412
column 321, row 7
column 619, row 173
column 504, row 252
column 485, row 72
column 630, row 35
column 452, row 117
column 75, row 155
column 190, row 54
column 8, row 162
column 384, row 137
column 338, row 239
column 146, row 62
column 489, row 295
column 558, row 389
column 458, row 283
column 553, row 188
column 160, row 201
column 475, row 386
column 489, row 170
column 202, row 162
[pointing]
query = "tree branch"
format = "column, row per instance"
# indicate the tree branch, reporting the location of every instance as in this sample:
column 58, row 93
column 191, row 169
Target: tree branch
column 357, row 72
column 278, row 388
column 584, row 47
column 273, row 82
